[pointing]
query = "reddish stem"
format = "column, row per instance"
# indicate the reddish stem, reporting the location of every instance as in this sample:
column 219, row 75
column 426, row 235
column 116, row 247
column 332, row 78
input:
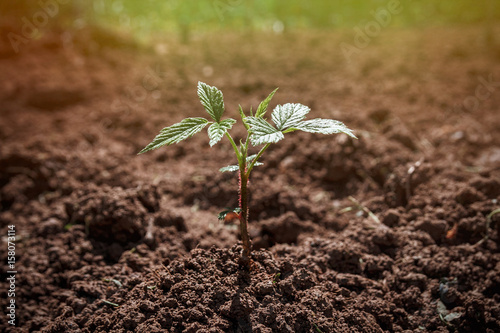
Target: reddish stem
column 243, row 201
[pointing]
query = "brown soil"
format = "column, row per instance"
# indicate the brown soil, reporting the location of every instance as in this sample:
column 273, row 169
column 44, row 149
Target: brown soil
column 108, row 241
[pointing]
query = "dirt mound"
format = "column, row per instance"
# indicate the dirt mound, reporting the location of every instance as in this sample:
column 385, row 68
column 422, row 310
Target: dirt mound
column 388, row 233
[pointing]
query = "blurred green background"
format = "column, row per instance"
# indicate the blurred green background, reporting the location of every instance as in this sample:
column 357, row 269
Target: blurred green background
column 154, row 15
column 150, row 18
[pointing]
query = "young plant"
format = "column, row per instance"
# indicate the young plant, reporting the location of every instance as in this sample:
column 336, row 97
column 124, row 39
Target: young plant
column 260, row 132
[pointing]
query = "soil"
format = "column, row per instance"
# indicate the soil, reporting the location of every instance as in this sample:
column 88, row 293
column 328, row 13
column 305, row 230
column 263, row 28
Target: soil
column 381, row 234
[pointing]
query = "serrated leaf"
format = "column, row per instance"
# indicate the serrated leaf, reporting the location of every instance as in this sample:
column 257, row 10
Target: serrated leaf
column 229, row 168
column 261, row 110
column 251, row 158
column 232, row 168
column 217, row 130
column 262, row 131
column 323, row 126
column 289, row 115
column 176, row 133
column 212, row 100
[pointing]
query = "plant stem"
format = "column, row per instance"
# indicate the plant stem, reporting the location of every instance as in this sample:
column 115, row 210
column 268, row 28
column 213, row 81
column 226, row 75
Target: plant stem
column 244, row 176
column 245, row 237
column 243, row 199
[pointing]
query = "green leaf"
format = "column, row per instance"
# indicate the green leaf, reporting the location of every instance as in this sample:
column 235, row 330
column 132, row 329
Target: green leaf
column 229, row 168
column 289, row 115
column 242, row 113
column 262, row 131
column 232, row 168
column 212, row 100
column 243, row 117
column 217, row 130
column 176, row 133
column 261, row 110
column 251, row 158
column 323, row 126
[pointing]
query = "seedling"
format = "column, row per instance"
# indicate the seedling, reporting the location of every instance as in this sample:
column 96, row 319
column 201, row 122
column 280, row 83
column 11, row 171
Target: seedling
column 488, row 223
column 276, row 277
column 260, row 133
column 360, row 208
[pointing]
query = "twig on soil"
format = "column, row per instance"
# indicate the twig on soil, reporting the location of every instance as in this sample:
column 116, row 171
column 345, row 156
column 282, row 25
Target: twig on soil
column 359, row 206
column 118, row 283
column 166, row 269
column 110, row 303
column 317, row 328
column 87, row 221
column 411, row 170
column 488, row 223
column 149, row 238
column 157, row 275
